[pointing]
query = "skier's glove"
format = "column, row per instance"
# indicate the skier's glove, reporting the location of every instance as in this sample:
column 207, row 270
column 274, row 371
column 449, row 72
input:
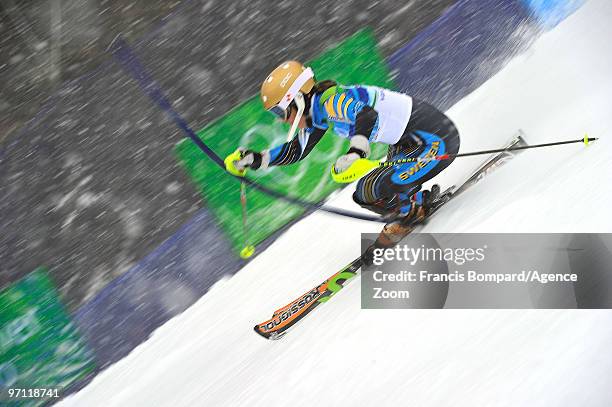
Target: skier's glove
column 360, row 148
column 345, row 161
column 237, row 162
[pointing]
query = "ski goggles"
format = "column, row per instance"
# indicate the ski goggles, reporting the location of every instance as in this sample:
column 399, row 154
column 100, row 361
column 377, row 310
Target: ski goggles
column 279, row 112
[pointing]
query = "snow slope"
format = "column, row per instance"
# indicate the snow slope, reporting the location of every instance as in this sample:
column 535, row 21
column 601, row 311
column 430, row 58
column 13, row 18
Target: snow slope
column 342, row 355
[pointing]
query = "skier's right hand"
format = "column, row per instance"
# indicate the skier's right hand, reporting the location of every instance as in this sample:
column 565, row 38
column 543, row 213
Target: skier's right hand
column 237, row 162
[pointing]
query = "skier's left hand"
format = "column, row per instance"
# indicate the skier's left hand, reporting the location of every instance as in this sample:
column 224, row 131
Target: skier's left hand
column 345, row 161
column 360, row 148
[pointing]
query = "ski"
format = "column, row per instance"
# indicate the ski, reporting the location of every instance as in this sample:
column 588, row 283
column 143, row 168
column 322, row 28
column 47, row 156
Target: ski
column 285, row 317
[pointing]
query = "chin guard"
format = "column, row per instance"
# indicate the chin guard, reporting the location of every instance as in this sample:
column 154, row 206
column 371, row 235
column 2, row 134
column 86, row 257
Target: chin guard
column 301, row 104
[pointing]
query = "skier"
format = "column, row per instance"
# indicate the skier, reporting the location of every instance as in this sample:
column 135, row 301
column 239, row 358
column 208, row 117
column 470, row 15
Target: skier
column 364, row 115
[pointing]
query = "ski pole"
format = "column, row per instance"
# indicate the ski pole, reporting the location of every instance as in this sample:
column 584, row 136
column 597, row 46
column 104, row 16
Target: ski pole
column 248, row 250
column 363, row 166
column 586, row 140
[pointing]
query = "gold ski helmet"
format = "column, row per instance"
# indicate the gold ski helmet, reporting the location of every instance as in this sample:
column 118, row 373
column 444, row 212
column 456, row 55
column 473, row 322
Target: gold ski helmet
column 289, row 82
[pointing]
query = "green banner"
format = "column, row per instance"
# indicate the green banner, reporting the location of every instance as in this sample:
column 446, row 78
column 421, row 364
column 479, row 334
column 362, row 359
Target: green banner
column 356, row 60
column 39, row 346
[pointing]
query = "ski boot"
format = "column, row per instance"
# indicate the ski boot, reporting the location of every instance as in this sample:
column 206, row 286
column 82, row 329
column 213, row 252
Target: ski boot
column 413, row 213
column 410, row 215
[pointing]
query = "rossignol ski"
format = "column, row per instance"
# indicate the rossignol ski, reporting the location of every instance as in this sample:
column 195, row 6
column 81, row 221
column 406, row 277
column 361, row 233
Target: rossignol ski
column 287, row 316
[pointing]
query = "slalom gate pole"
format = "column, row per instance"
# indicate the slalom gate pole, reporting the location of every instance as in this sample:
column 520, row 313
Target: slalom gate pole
column 130, row 62
column 586, row 140
column 248, row 250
